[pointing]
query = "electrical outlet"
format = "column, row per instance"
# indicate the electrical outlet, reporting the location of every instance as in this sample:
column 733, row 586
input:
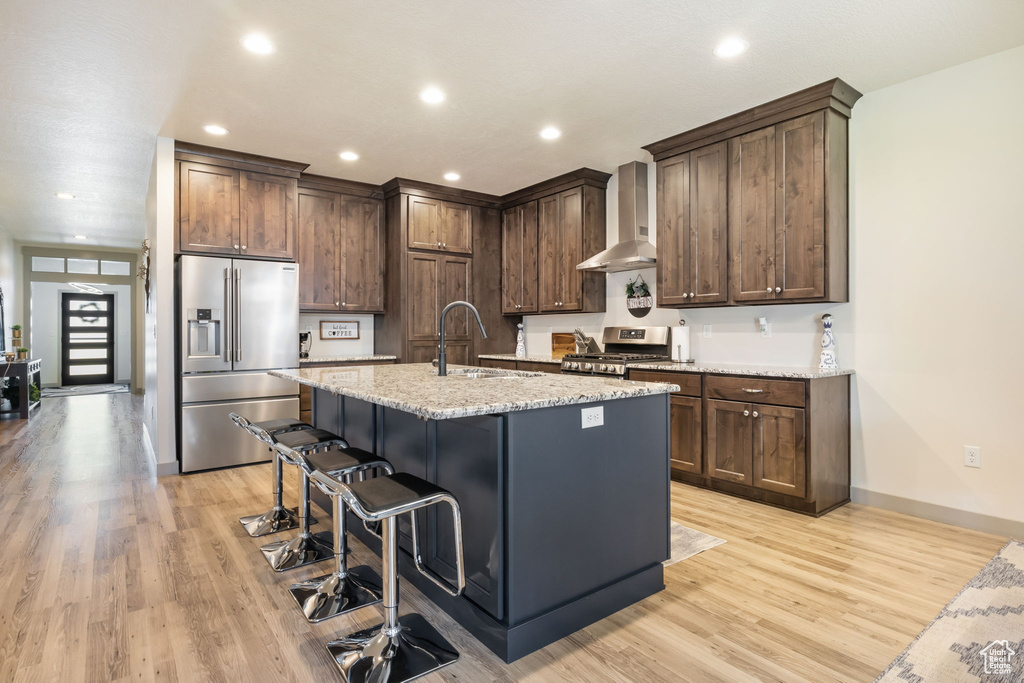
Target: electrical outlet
column 972, row 456
column 766, row 331
column 592, row 417
column 707, row 331
column 309, row 328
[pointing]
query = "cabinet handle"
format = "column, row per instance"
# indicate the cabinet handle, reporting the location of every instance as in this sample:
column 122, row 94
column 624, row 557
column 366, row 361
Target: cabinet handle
column 746, row 413
column 444, row 245
column 236, row 246
column 692, row 295
column 337, row 303
column 753, row 391
column 769, row 290
column 778, row 289
column 755, row 413
column 244, row 247
column 438, row 244
column 685, row 295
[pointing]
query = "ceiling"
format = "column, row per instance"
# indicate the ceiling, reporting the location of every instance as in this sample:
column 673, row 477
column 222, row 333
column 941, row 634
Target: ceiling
column 86, row 85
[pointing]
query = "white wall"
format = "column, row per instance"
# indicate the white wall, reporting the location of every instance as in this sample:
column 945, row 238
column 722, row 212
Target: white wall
column 937, row 238
column 334, row 348
column 9, row 280
column 46, row 328
column 158, row 405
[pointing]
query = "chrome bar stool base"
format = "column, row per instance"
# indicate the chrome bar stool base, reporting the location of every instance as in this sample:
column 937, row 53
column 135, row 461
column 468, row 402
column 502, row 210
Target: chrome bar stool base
column 374, row 656
column 333, row 594
column 271, row 522
column 299, row 551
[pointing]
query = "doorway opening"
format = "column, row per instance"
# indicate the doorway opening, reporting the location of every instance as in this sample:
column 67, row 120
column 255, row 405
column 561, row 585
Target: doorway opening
column 87, row 339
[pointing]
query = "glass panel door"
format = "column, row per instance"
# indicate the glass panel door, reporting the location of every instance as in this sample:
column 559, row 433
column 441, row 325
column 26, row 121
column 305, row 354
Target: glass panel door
column 87, row 339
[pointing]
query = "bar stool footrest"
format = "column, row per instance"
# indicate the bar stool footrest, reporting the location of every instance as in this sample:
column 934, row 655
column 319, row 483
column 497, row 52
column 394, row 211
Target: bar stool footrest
column 371, row 656
column 331, row 595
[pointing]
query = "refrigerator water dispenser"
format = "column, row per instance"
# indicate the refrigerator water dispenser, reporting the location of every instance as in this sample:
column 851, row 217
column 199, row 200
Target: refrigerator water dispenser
column 204, row 338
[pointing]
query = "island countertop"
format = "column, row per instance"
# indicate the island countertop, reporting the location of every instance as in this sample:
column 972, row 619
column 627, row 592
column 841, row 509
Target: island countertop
column 416, row 388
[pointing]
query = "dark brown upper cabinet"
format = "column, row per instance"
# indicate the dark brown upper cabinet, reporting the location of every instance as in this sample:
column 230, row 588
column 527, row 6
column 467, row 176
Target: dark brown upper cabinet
column 692, row 256
column 439, row 225
column 569, row 214
column 519, row 259
column 341, row 246
column 753, row 208
column 236, row 204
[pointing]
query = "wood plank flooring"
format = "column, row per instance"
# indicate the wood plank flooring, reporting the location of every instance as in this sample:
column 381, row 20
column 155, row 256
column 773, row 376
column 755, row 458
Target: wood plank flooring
column 110, row 574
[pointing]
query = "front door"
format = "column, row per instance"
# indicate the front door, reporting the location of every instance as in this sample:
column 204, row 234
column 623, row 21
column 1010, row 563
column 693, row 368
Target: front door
column 87, row 339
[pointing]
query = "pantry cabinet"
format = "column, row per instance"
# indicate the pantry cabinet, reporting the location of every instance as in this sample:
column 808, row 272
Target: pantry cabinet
column 752, row 209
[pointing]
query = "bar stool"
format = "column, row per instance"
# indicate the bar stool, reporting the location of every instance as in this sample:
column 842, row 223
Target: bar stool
column 344, row 589
column 397, row 650
column 278, row 518
column 306, row 547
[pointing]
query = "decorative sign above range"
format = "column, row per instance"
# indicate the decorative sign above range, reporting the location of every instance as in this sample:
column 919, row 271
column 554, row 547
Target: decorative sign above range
column 339, row 329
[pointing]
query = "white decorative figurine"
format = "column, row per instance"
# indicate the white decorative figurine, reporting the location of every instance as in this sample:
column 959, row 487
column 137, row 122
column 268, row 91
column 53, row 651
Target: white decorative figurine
column 520, row 342
column 828, row 345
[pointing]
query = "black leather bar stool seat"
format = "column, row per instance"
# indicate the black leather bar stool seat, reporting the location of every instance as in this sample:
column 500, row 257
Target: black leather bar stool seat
column 278, row 518
column 380, row 495
column 311, row 438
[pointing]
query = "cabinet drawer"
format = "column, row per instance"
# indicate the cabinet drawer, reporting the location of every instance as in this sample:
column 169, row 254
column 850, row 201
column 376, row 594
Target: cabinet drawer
column 689, row 383
column 554, row 368
column 495, row 363
column 755, row 390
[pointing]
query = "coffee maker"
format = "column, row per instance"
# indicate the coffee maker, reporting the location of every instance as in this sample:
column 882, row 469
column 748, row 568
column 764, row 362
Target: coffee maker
column 305, row 340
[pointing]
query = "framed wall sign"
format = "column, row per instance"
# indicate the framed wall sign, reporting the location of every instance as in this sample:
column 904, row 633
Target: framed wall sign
column 339, row 329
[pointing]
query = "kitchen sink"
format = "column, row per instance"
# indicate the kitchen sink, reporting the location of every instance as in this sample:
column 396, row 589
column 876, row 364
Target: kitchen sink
column 489, row 373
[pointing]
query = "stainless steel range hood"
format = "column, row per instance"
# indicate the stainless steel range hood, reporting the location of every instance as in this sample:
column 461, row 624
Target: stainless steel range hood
column 634, row 250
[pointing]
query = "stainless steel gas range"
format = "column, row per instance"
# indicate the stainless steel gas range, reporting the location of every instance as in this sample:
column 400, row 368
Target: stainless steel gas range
column 623, row 346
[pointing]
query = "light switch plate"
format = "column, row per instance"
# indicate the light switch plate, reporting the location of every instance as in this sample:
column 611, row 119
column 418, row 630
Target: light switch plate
column 766, row 331
column 592, row 417
column 707, row 331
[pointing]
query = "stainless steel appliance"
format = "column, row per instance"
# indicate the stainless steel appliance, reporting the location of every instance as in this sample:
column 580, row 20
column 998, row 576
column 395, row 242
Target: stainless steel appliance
column 634, row 250
column 237, row 319
column 623, row 346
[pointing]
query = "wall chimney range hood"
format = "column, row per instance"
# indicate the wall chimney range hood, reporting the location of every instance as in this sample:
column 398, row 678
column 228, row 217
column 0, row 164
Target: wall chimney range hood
column 634, row 250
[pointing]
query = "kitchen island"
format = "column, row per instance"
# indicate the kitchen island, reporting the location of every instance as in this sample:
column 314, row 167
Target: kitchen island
column 563, row 482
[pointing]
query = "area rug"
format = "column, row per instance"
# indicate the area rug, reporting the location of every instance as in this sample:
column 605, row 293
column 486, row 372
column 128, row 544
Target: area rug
column 978, row 636
column 84, row 390
column 687, row 542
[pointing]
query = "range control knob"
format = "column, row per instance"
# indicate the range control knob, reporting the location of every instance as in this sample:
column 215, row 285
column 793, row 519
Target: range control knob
column 603, row 367
column 575, row 366
column 588, row 366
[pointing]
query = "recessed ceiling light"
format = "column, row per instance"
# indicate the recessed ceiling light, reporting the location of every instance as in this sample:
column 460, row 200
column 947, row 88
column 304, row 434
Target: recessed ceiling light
column 215, row 130
column 258, row 43
column 81, row 237
column 65, row 195
column 731, row 47
column 432, row 95
column 349, row 156
column 451, row 175
column 550, row 133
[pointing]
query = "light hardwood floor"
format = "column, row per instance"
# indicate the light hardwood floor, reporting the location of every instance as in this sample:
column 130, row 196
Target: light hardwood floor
column 110, row 574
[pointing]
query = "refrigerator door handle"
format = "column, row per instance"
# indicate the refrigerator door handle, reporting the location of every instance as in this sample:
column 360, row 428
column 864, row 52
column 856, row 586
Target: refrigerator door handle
column 238, row 314
column 228, row 312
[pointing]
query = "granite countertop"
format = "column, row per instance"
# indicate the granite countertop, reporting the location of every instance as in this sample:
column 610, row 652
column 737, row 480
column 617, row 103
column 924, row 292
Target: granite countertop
column 346, row 359
column 536, row 358
column 416, row 388
column 782, row 371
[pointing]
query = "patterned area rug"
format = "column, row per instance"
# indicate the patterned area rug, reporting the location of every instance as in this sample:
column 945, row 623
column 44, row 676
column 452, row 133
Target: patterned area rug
column 978, row 636
column 687, row 542
column 84, row 390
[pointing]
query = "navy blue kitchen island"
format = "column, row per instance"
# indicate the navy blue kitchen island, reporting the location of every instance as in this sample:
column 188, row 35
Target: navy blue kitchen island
column 562, row 525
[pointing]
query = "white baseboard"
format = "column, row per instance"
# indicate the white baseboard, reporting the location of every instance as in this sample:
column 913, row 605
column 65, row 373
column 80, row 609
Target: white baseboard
column 162, row 468
column 939, row 513
column 165, row 468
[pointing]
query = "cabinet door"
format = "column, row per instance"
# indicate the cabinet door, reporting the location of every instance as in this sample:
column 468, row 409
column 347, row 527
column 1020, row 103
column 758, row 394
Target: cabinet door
column 424, row 223
column 423, row 352
column 708, row 260
column 456, row 228
column 752, row 215
column 208, row 209
column 267, row 215
column 571, row 216
column 674, row 235
column 519, row 259
column 780, row 454
column 729, row 441
column 685, row 435
column 361, row 262
column 318, row 250
column 800, row 207
column 458, row 286
column 550, row 262
column 458, row 351
column 425, row 295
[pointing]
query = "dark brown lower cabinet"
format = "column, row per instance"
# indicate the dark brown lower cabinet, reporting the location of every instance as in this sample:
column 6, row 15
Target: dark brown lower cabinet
column 685, row 434
column 792, row 450
column 456, row 352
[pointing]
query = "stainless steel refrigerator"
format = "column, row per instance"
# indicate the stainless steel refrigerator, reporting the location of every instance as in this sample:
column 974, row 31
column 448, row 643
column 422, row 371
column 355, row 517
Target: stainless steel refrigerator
column 237, row 319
